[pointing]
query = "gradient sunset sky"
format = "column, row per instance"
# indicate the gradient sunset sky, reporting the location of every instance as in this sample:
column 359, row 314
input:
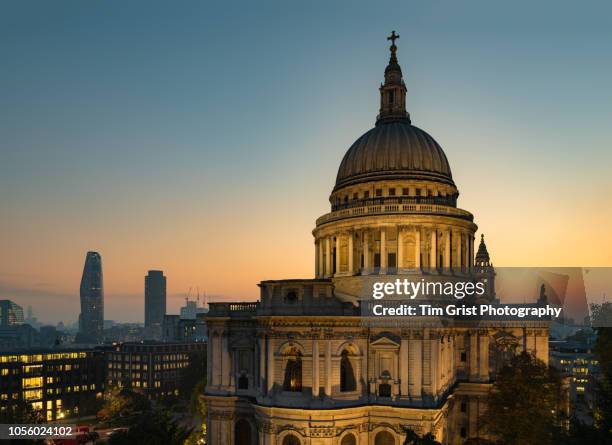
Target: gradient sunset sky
column 203, row 138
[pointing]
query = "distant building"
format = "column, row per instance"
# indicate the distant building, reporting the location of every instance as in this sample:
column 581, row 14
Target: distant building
column 49, row 336
column 31, row 319
column 91, row 320
column 151, row 367
column 155, row 303
column 10, row 313
column 19, row 336
column 576, row 361
column 59, row 383
column 191, row 310
column 124, row 332
column 177, row 329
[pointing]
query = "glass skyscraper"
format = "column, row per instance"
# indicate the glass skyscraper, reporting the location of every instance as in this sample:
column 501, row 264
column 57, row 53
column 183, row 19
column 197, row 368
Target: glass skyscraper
column 91, row 320
column 10, row 313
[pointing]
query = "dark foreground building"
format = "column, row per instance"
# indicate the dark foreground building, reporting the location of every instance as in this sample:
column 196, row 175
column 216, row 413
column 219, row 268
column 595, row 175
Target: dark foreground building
column 152, row 368
column 58, row 382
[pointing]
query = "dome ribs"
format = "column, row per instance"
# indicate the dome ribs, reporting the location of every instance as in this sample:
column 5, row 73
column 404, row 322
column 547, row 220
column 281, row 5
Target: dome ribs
column 394, row 150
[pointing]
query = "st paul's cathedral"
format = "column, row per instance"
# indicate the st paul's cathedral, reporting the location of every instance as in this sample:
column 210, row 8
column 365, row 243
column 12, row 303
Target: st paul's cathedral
column 305, row 366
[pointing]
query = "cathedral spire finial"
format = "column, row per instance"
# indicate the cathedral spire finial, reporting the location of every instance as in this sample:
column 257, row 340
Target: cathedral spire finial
column 393, row 91
column 393, row 37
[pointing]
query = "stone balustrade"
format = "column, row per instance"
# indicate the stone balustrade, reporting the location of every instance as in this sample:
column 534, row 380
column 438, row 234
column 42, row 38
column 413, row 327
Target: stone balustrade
column 387, row 209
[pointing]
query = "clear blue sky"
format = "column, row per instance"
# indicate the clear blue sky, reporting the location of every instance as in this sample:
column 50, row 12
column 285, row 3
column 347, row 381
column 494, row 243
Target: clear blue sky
column 197, row 136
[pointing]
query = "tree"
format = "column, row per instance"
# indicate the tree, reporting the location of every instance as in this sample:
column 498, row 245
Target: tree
column 412, row 438
column 122, row 404
column 154, row 428
column 193, row 374
column 22, row 413
column 525, row 403
column 601, row 314
column 197, row 407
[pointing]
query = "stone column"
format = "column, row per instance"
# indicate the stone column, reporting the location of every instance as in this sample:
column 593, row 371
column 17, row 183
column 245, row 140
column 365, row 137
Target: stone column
column 328, row 258
column 233, row 356
column 403, row 367
column 328, row 368
column 225, row 361
column 217, row 343
column 473, row 356
column 383, row 250
column 271, row 364
column 337, row 253
column 470, row 248
column 350, row 252
column 316, row 259
column 459, row 254
column 321, row 273
column 434, row 344
column 262, row 364
column 483, row 362
column 315, row 367
column 451, row 359
column 366, row 251
column 417, row 248
column 400, row 248
column 433, row 249
column 209, row 363
column 415, row 354
column 447, row 250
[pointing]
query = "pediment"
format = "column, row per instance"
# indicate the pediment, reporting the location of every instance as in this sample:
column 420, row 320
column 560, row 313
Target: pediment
column 384, row 342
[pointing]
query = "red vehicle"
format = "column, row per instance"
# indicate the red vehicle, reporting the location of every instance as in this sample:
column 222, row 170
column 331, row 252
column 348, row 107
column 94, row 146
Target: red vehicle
column 82, row 435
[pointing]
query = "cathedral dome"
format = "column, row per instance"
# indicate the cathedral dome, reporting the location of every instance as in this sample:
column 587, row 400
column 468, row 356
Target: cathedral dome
column 394, row 150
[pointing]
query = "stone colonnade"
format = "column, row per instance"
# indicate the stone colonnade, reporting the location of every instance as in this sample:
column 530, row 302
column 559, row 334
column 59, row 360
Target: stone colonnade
column 393, row 249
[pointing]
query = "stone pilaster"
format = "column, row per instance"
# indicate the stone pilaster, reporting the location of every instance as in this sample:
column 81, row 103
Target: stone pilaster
column 383, row 250
column 315, row 367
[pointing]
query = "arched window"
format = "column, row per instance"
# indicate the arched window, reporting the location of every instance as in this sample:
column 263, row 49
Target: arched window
column 290, row 439
column 384, row 390
column 384, row 387
column 349, row 439
column 243, row 382
column 293, row 371
column 291, row 297
column 384, row 438
column 242, row 431
column 347, row 375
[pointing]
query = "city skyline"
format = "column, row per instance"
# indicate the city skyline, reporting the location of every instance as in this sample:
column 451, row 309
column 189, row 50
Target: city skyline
column 83, row 137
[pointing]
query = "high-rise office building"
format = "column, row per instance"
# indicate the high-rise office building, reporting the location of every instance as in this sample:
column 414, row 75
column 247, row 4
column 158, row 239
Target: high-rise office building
column 91, row 320
column 10, row 313
column 155, row 303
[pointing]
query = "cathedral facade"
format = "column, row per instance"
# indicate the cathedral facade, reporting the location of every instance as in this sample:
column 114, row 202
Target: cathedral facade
column 305, row 366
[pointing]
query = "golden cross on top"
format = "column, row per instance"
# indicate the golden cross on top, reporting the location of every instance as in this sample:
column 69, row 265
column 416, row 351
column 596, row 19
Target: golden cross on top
column 393, row 37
